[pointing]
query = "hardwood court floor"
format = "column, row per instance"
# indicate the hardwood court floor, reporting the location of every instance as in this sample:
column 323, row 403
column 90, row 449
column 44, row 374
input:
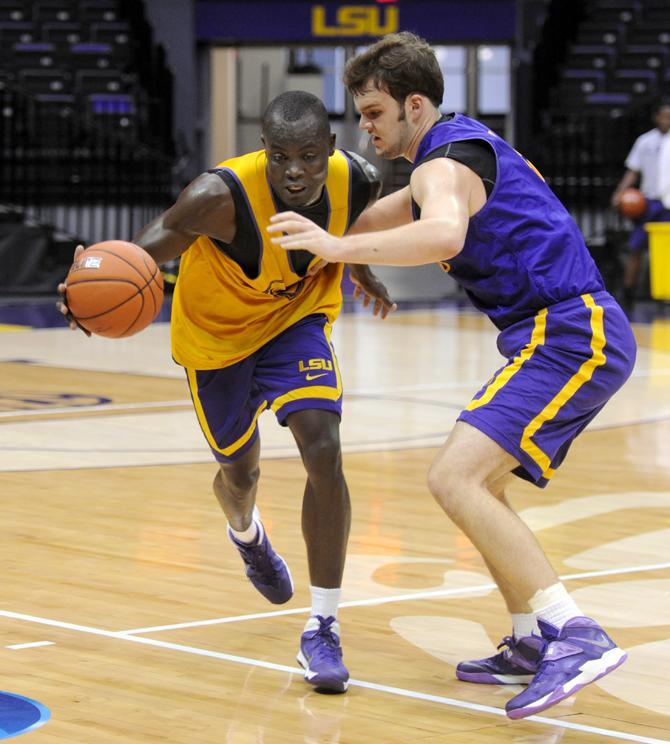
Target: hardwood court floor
column 115, row 554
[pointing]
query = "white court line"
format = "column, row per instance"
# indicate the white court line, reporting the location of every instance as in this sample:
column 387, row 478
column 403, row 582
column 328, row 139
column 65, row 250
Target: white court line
column 99, row 407
column 400, row 692
column 187, row 403
column 436, row 593
column 18, row 646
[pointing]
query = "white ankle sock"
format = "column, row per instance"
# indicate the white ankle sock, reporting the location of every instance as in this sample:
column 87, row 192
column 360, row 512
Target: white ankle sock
column 524, row 624
column 325, row 601
column 254, row 532
column 554, row 605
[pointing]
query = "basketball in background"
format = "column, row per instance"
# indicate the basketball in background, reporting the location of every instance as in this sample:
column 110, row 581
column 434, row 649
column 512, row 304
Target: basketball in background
column 632, row 203
column 114, row 289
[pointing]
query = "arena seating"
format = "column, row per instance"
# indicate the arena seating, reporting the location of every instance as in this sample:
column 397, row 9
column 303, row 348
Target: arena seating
column 598, row 70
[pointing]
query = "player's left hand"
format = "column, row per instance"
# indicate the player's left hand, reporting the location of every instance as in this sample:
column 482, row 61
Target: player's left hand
column 368, row 288
column 293, row 232
column 61, row 304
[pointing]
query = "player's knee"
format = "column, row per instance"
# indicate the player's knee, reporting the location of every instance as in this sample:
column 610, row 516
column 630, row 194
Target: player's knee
column 323, row 456
column 445, row 483
column 237, row 481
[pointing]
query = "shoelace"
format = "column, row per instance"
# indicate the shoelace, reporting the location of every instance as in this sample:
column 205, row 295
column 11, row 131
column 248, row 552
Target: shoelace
column 258, row 558
column 545, row 665
column 507, row 641
column 331, row 645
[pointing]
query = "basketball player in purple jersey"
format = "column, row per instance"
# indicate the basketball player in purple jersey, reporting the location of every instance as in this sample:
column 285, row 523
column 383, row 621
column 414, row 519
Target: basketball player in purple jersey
column 484, row 213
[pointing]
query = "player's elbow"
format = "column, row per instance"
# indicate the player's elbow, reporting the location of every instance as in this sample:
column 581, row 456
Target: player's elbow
column 449, row 239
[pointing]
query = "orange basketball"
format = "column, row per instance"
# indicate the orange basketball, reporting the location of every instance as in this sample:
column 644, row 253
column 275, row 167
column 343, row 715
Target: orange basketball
column 114, row 289
column 632, row 203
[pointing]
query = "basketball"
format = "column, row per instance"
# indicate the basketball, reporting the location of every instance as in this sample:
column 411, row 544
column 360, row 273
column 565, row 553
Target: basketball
column 114, row 289
column 632, row 203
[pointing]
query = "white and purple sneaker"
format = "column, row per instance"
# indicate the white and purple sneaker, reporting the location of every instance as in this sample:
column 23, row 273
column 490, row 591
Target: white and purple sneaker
column 580, row 653
column 516, row 664
column 320, row 655
column 266, row 570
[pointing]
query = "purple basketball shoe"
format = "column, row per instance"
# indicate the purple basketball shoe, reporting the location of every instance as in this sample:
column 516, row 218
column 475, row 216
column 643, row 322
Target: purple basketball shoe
column 515, row 665
column 320, row 655
column 266, row 570
column 580, row 653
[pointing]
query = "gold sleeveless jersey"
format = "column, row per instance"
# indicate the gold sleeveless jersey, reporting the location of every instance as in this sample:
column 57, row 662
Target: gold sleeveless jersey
column 219, row 314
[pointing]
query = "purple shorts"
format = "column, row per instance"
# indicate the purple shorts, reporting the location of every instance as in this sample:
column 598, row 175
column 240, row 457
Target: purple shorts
column 655, row 212
column 295, row 371
column 563, row 365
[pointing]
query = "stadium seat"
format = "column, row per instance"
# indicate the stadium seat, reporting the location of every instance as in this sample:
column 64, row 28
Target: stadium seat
column 90, row 55
column 101, row 81
column 114, row 111
column 12, row 11
column 637, row 83
column 62, row 33
column 17, row 32
column 33, row 54
column 649, row 33
column 659, row 14
column 91, row 11
column 40, row 80
column 44, row 11
column 612, row 102
column 595, row 56
column 575, row 85
column 643, row 56
column 111, row 33
column 608, row 11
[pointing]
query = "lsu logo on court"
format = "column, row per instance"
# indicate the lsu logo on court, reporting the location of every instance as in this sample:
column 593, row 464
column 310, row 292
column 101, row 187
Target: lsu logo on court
column 355, row 20
column 316, row 365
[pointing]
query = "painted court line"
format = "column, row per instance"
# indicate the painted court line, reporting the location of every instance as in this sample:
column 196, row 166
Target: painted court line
column 387, row 600
column 400, row 692
column 99, row 408
column 19, row 646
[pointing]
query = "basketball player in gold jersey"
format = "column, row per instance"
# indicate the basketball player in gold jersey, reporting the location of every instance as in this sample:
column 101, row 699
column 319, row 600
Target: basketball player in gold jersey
column 251, row 326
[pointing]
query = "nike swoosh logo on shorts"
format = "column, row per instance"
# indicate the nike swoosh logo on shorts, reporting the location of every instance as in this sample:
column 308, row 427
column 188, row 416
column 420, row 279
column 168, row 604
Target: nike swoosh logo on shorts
column 314, row 377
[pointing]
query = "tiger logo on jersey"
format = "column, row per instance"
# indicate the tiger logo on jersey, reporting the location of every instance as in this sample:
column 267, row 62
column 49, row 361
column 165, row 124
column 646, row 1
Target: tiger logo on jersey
column 288, row 293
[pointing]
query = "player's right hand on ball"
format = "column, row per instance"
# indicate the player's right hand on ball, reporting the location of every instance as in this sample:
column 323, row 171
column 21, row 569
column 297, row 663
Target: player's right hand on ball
column 61, row 305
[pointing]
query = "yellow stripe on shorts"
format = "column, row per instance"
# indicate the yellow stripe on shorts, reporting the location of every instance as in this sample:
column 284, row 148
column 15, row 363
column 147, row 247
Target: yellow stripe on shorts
column 238, row 443
column 506, row 374
column 582, row 376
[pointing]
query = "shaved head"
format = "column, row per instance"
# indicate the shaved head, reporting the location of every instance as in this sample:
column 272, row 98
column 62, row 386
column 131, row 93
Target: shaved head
column 289, row 110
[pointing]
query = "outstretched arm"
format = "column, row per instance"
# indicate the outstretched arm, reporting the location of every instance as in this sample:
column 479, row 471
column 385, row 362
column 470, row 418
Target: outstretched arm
column 446, row 192
column 204, row 207
column 390, row 211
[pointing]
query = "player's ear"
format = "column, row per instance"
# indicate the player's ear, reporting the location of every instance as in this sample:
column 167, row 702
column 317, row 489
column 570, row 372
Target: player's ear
column 415, row 103
column 332, row 143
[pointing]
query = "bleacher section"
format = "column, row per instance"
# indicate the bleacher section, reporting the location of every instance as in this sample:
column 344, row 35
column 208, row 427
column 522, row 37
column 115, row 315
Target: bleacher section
column 620, row 52
column 594, row 97
column 86, row 101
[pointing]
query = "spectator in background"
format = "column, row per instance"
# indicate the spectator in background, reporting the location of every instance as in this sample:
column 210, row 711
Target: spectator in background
column 647, row 164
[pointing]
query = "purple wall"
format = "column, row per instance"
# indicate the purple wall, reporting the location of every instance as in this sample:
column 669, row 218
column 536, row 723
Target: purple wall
column 360, row 23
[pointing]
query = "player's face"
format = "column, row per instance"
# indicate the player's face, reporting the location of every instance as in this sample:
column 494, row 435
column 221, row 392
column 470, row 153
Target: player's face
column 384, row 119
column 297, row 154
column 662, row 119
